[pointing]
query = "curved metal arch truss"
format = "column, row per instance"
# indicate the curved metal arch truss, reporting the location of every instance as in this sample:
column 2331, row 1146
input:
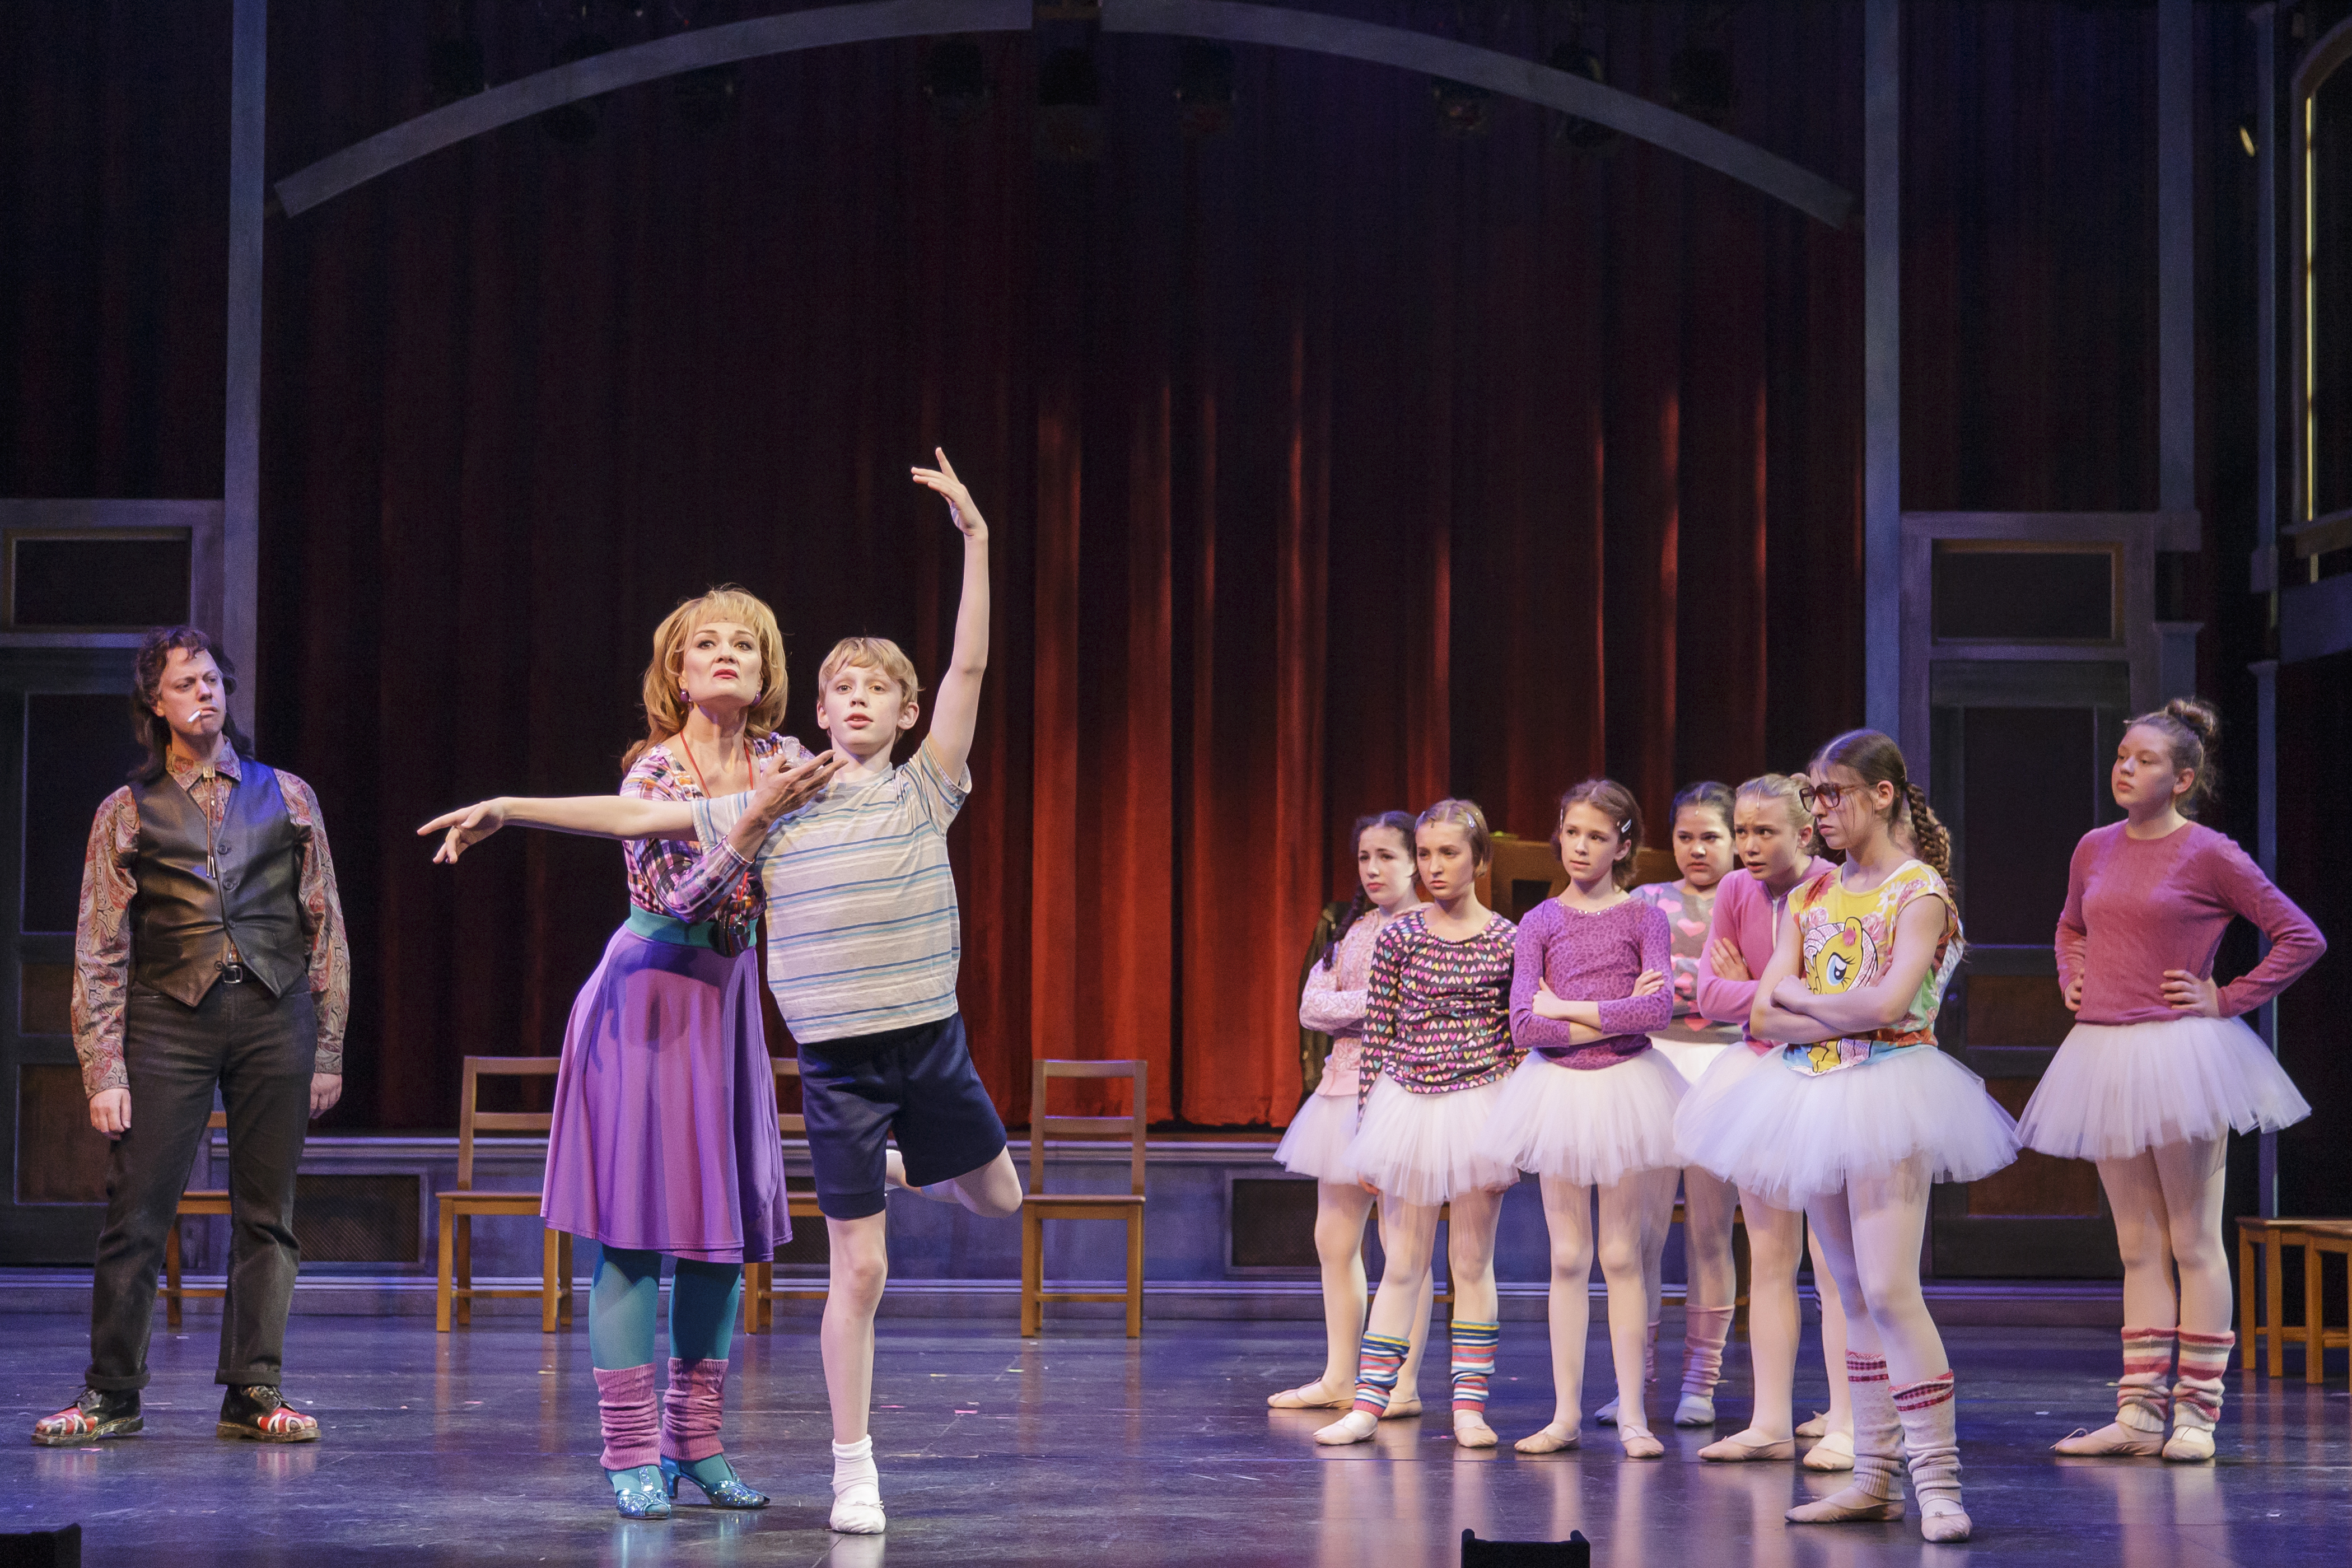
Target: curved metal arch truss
column 1228, row 20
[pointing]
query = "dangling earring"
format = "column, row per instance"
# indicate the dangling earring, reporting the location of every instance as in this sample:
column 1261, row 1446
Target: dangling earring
column 683, row 698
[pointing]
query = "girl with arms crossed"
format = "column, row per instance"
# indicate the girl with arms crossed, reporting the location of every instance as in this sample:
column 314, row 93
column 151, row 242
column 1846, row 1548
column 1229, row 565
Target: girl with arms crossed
column 1774, row 833
column 1437, row 1044
column 1865, row 1112
column 1317, row 1141
column 1593, row 1105
column 2159, row 1067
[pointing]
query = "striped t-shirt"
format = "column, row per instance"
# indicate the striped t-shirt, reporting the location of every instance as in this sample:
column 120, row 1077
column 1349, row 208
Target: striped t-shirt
column 863, row 932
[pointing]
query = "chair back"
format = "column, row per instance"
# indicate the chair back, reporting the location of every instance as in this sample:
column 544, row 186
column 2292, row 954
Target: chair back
column 1106, row 1128
column 794, row 1126
column 471, row 1120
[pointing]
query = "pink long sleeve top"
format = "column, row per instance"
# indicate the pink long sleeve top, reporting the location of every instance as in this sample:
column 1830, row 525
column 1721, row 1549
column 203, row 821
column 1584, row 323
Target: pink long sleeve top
column 1591, row 957
column 1335, row 996
column 1747, row 913
column 2137, row 907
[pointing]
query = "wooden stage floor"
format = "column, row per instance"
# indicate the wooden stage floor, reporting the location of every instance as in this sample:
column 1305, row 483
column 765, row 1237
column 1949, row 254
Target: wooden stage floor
column 1084, row 1449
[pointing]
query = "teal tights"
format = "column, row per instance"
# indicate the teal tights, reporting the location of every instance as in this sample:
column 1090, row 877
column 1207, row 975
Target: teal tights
column 702, row 1302
column 620, row 1306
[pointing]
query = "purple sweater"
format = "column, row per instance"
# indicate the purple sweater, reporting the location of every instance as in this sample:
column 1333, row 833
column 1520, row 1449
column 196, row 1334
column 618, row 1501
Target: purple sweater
column 2137, row 907
column 1592, row 958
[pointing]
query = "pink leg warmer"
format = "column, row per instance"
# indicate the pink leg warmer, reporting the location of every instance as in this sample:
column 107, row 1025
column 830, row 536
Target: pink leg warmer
column 2140, row 1396
column 625, row 1406
column 691, row 1408
column 1704, row 1330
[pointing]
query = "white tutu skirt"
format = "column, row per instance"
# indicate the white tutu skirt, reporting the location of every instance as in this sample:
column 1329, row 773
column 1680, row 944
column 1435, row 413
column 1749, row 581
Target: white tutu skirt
column 1786, row 1136
column 1591, row 1126
column 1425, row 1148
column 2114, row 1090
column 1316, row 1143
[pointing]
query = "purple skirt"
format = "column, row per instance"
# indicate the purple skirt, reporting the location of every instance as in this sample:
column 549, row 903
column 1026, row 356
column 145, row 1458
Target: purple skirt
column 665, row 1136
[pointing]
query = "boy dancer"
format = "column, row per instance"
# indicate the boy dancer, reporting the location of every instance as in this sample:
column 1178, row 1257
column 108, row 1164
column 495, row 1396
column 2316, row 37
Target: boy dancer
column 209, row 954
column 863, row 946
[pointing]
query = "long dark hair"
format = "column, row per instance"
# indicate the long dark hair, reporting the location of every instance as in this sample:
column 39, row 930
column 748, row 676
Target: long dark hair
column 147, row 688
column 1396, row 822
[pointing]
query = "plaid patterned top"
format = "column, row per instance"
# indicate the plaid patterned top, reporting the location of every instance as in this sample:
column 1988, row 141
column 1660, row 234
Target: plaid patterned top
column 1437, row 1013
column 673, row 877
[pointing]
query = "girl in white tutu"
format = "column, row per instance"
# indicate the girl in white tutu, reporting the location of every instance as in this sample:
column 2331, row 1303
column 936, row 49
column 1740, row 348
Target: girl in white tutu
column 1692, row 1041
column 1317, row 1143
column 1774, row 834
column 1437, row 1044
column 2158, row 1068
column 1593, row 1105
column 1865, row 1112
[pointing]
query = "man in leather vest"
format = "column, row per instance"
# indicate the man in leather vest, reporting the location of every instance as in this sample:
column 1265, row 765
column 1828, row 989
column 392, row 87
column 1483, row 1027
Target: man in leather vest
column 209, row 955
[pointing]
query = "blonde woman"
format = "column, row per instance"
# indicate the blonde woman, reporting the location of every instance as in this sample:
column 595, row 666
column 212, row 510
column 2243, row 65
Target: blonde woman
column 665, row 1140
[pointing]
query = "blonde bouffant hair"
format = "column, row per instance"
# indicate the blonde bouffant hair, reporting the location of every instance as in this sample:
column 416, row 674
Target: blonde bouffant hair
column 665, row 710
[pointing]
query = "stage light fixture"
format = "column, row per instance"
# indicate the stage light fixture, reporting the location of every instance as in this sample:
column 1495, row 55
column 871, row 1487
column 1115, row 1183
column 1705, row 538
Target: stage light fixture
column 707, row 98
column 1461, row 110
column 454, row 68
column 1069, row 108
column 573, row 123
column 1575, row 130
column 955, row 80
column 2246, row 139
column 1204, row 89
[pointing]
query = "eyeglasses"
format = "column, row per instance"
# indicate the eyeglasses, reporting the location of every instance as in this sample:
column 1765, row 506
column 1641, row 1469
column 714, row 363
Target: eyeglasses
column 1825, row 797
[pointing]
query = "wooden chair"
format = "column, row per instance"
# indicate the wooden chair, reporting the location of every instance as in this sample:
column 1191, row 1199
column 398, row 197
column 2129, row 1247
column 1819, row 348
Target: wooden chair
column 2268, row 1331
column 206, row 1202
column 760, row 1292
column 1037, row 1206
column 461, row 1205
column 2322, row 1238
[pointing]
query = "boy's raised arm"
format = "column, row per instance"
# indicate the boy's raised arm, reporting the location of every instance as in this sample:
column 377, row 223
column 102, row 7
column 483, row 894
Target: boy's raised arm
column 958, row 713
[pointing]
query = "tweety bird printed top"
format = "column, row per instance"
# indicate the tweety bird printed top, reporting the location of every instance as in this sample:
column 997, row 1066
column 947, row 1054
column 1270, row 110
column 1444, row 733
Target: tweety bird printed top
column 1848, row 942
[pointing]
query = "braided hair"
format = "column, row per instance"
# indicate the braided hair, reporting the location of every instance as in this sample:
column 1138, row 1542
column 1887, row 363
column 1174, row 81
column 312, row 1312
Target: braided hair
column 1396, row 822
column 1877, row 760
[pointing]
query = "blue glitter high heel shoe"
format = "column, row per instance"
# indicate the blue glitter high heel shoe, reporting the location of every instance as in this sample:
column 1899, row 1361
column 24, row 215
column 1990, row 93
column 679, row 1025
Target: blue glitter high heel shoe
column 729, row 1493
column 639, row 1494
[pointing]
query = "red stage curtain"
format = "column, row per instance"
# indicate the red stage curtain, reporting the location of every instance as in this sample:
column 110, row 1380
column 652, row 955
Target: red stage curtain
column 1335, row 463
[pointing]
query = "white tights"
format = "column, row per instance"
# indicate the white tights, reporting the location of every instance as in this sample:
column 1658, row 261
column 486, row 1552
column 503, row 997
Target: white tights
column 1870, row 1234
column 1619, row 1240
column 1340, row 1208
column 2168, row 1208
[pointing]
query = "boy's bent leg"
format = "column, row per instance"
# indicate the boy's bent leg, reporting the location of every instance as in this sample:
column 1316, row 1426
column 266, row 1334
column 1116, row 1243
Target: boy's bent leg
column 861, row 1265
column 947, row 1126
column 993, row 1192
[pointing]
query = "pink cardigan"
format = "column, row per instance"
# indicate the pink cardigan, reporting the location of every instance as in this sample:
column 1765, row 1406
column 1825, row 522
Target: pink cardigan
column 1749, row 916
column 2137, row 907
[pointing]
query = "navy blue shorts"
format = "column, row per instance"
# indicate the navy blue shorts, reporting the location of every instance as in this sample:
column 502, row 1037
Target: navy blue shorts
column 918, row 1083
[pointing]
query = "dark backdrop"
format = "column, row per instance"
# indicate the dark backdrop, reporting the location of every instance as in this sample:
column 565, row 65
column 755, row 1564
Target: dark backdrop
column 1336, row 461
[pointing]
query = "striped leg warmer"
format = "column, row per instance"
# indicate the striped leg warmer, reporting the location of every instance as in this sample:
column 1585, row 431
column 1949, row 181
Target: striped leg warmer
column 1376, row 1379
column 1473, row 1363
column 1930, row 1437
column 2197, row 1397
column 2140, row 1397
column 1704, row 1330
column 1873, row 1493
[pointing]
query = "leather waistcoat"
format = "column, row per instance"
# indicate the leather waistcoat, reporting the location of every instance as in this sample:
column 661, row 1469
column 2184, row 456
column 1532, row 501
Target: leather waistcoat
column 194, row 900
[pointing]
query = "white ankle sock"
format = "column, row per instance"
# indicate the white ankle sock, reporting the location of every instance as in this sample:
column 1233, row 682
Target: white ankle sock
column 856, row 1488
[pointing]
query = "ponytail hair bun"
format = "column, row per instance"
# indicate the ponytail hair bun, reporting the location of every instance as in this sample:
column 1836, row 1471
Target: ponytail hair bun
column 2191, row 728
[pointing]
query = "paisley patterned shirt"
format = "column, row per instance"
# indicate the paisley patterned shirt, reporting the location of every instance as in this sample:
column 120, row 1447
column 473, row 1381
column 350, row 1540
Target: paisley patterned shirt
column 1848, row 942
column 673, row 876
column 102, row 929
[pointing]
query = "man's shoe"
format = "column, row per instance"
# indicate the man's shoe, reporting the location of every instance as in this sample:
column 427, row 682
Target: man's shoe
column 259, row 1413
column 97, row 1414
